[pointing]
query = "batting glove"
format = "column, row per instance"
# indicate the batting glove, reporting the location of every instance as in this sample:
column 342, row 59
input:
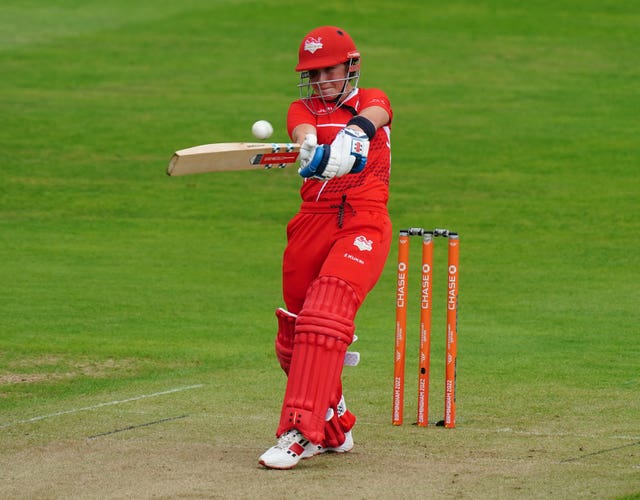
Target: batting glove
column 307, row 149
column 313, row 158
column 348, row 153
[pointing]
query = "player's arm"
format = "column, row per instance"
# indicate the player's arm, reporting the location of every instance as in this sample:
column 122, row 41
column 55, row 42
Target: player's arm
column 377, row 115
column 301, row 131
column 349, row 150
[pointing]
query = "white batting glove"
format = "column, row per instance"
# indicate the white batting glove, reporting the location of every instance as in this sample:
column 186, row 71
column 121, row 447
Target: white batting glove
column 313, row 157
column 348, row 153
column 307, row 149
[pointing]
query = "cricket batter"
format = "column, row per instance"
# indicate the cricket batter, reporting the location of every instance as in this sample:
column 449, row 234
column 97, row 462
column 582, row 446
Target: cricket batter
column 337, row 243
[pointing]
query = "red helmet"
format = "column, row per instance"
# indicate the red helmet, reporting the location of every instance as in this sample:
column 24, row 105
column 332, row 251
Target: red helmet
column 325, row 47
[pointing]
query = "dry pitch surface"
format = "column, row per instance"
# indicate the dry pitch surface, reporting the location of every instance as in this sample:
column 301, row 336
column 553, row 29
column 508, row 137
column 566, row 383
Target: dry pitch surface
column 172, row 444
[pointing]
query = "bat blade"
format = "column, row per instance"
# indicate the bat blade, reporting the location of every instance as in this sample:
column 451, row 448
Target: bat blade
column 224, row 156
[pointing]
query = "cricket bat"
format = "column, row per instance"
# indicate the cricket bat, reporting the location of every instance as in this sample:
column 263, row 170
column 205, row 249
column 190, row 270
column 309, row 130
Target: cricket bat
column 232, row 156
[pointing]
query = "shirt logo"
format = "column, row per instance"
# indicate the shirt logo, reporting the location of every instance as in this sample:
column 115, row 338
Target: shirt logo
column 312, row 44
column 363, row 244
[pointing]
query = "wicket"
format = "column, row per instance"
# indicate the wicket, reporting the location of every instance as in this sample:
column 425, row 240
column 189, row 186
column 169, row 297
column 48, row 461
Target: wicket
column 425, row 326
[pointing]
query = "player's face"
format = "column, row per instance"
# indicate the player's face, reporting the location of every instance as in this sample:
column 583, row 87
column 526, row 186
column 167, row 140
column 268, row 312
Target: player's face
column 329, row 82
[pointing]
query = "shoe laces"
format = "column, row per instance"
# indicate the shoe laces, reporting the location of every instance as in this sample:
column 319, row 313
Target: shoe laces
column 287, row 439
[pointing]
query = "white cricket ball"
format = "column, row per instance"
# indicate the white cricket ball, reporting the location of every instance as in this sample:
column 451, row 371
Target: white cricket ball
column 262, row 129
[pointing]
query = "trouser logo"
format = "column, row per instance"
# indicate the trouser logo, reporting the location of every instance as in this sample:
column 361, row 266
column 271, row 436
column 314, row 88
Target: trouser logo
column 363, row 243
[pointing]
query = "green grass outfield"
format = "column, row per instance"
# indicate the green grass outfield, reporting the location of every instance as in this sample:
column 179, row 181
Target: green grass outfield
column 136, row 310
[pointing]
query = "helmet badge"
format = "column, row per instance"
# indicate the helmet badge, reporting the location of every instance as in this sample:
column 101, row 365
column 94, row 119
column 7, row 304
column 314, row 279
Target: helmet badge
column 312, row 44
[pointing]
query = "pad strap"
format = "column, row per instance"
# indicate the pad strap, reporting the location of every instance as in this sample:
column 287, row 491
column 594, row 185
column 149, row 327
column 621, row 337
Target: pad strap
column 284, row 338
column 341, row 421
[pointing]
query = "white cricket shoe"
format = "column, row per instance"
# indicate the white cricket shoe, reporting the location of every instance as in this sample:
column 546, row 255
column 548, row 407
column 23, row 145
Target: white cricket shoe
column 291, row 447
column 345, row 447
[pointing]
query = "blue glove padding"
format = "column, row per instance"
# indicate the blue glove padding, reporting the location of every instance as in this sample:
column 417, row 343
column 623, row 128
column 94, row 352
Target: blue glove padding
column 318, row 163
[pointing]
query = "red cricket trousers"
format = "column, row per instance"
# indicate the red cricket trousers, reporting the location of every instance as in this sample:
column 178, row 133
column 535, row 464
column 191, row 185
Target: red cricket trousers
column 348, row 240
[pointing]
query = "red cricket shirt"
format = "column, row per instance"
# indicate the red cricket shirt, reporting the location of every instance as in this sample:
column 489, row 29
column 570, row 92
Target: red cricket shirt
column 370, row 184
